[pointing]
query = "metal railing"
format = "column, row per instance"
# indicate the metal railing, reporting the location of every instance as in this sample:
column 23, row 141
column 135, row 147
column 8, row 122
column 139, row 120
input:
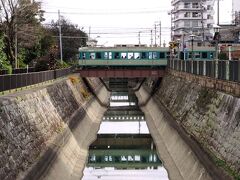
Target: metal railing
column 219, row 69
column 13, row 81
column 18, row 71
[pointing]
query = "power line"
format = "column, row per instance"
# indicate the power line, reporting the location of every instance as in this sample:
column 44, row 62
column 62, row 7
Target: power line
column 108, row 12
column 103, row 10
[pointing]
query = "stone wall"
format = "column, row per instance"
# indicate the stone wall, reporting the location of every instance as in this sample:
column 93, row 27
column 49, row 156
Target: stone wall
column 229, row 87
column 211, row 117
column 30, row 120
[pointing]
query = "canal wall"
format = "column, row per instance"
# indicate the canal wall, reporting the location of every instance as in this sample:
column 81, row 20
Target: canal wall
column 209, row 118
column 45, row 132
column 178, row 158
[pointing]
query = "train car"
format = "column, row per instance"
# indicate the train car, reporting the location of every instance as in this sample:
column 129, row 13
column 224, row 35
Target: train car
column 123, row 56
column 199, row 53
column 139, row 56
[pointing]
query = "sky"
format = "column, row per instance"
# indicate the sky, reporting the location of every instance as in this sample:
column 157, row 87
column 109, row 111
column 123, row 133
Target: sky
column 120, row 22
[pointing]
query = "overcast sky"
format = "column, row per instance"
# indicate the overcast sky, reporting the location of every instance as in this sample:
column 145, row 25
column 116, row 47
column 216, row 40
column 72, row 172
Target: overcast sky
column 115, row 22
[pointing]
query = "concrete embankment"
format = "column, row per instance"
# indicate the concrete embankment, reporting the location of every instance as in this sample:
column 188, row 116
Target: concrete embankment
column 177, row 157
column 196, row 129
column 45, row 133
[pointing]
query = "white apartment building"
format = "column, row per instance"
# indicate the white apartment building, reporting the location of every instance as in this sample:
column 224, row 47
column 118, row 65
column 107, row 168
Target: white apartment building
column 236, row 5
column 187, row 18
column 236, row 11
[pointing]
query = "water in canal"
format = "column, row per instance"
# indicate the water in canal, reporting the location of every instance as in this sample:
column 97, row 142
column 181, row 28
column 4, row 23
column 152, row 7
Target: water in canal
column 124, row 148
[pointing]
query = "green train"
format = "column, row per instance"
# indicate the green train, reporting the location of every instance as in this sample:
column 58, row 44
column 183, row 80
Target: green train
column 138, row 56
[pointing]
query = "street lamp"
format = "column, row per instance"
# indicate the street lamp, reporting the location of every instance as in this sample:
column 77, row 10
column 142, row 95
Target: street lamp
column 192, row 36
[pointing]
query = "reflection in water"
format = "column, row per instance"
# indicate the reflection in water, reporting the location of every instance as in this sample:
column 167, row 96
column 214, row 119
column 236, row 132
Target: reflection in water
column 124, row 148
column 127, row 127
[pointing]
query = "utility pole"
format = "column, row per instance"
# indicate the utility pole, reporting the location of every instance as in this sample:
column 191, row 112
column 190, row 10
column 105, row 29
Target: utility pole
column 139, row 38
column 155, row 27
column 203, row 33
column 151, row 38
column 218, row 12
column 170, row 13
column 160, row 33
column 89, row 32
column 60, row 36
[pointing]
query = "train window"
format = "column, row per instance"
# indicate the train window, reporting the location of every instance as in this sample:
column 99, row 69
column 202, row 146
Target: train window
column 168, row 55
column 197, row 55
column 92, row 56
column 84, row 55
column 124, row 55
column 136, row 55
column 162, row 55
column 154, row 55
column 110, row 55
column 150, row 55
column 98, row 55
column 211, row 55
column 130, row 55
column 105, row 55
column 144, row 55
column 204, row 55
column 116, row 55
column 190, row 55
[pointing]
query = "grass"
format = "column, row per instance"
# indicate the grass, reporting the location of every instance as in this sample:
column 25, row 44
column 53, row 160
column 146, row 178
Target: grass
column 223, row 164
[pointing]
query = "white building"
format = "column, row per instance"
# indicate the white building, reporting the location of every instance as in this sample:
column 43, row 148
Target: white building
column 187, row 18
column 236, row 5
column 236, row 11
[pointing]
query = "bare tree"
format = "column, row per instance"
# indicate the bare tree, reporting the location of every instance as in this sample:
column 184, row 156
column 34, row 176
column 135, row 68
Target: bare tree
column 20, row 21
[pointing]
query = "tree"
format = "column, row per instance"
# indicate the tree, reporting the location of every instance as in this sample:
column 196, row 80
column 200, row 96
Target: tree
column 4, row 64
column 73, row 38
column 20, row 20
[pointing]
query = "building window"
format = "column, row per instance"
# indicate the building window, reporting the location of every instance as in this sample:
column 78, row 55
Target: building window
column 195, row 14
column 209, row 25
column 186, row 5
column 209, row 7
column 195, row 5
column 194, row 23
column 186, row 23
column 187, row 14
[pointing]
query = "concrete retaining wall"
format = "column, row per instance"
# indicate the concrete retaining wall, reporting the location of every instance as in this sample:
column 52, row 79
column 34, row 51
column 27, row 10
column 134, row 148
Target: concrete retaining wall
column 178, row 158
column 52, row 125
column 210, row 116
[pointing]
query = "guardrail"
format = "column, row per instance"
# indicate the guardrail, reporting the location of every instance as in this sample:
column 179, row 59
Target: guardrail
column 219, row 69
column 13, row 81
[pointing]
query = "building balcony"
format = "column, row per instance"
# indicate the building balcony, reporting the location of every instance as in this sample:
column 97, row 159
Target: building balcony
column 188, row 18
column 173, row 2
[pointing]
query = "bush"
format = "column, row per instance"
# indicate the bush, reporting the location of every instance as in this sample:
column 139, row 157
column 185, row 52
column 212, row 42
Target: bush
column 42, row 65
column 60, row 65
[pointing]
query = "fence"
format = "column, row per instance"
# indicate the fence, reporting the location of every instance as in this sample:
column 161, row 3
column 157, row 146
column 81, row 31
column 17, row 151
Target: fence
column 14, row 81
column 18, row 71
column 220, row 69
